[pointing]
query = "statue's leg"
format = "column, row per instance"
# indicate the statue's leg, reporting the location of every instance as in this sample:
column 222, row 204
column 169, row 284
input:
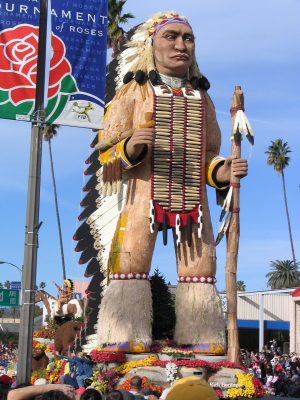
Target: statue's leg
column 199, row 315
column 125, row 317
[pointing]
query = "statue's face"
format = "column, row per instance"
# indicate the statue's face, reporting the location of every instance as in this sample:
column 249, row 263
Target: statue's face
column 174, row 50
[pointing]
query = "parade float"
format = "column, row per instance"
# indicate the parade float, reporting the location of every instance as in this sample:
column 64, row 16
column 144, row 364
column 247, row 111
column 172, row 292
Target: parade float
column 116, row 239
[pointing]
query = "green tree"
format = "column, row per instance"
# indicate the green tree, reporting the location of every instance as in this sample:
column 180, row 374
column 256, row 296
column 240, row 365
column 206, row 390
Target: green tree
column 38, row 311
column 284, row 274
column 240, row 286
column 115, row 32
column 7, row 284
column 278, row 158
column 163, row 307
column 1, row 285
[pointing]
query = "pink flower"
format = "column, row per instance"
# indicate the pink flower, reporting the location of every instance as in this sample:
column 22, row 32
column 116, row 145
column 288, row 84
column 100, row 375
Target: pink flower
column 18, row 63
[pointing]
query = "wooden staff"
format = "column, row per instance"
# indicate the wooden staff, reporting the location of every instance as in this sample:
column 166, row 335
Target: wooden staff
column 232, row 234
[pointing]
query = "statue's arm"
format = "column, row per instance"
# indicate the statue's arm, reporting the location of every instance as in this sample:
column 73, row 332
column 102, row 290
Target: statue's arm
column 213, row 160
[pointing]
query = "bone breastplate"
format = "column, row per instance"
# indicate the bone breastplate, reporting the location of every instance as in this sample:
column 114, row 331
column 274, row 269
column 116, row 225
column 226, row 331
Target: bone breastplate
column 177, row 159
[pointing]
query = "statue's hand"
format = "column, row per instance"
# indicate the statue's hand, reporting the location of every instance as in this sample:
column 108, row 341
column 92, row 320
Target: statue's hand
column 141, row 137
column 238, row 166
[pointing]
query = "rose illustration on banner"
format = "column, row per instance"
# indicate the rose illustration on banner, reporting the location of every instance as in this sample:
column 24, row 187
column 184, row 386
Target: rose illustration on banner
column 18, row 73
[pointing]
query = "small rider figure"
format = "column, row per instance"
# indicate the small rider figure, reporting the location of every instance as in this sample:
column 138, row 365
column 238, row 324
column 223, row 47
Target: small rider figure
column 65, row 293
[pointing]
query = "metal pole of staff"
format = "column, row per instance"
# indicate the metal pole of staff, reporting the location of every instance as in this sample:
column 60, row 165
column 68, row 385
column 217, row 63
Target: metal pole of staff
column 32, row 212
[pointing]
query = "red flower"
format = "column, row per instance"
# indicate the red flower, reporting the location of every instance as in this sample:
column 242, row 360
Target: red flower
column 18, row 63
column 200, row 363
column 107, row 357
column 258, row 387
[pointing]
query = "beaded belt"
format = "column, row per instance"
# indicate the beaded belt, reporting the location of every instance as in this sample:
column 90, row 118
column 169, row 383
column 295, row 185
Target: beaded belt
column 130, row 275
column 197, row 279
column 177, row 161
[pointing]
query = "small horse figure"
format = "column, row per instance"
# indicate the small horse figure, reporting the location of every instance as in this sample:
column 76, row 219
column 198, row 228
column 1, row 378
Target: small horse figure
column 73, row 307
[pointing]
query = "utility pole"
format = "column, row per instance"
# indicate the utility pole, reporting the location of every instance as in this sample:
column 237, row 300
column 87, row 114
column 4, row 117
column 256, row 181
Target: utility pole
column 32, row 212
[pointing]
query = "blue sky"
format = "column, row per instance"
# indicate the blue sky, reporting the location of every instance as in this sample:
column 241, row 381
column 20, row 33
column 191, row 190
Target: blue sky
column 253, row 44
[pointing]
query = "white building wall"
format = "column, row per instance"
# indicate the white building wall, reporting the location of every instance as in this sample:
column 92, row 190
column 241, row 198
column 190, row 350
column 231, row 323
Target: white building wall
column 276, row 307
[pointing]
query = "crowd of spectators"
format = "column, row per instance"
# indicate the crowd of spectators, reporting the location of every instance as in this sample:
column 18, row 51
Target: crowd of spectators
column 279, row 372
column 190, row 388
column 8, row 364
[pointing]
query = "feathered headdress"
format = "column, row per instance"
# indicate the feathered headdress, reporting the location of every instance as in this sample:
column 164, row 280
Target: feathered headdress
column 69, row 283
column 137, row 60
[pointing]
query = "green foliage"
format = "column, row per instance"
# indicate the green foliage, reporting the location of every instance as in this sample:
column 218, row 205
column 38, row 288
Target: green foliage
column 278, row 155
column 115, row 18
column 163, row 307
column 38, row 311
column 7, row 337
column 7, row 284
column 240, row 286
column 284, row 274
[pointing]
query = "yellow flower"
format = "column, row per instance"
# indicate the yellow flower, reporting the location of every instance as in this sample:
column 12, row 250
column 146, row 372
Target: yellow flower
column 246, row 388
column 129, row 365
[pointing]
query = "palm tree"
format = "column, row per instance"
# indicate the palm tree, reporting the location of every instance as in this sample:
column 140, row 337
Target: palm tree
column 114, row 32
column 7, row 284
column 278, row 157
column 49, row 132
column 284, row 274
column 240, row 286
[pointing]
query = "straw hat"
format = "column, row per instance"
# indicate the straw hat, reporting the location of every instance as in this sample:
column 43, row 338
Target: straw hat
column 191, row 388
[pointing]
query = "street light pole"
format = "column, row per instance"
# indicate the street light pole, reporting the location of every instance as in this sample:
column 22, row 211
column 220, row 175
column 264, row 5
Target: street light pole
column 13, row 265
column 32, row 211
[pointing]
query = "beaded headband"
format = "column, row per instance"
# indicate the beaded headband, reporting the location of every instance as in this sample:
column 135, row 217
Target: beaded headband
column 166, row 21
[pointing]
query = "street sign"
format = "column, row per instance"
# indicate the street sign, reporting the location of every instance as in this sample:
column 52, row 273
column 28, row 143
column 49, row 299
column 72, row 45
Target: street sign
column 15, row 285
column 9, row 298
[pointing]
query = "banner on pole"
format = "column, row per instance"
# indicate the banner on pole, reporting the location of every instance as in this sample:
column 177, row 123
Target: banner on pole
column 76, row 63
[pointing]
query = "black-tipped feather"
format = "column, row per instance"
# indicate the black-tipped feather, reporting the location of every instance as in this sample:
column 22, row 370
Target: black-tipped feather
column 92, row 268
column 91, row 183
column 92, row 168
column 93, row 157
column 87, row 212
column 90, row 198
column 87, row 254
column 82, row 231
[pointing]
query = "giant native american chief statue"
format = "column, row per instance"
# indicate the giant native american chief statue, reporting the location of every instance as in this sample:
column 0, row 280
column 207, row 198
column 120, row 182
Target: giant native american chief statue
column 158, row 150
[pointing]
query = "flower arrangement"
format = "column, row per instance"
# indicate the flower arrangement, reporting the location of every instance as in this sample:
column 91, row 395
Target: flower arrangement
column 213, row 366
column 45, row 332
column 258, row 387
column 37, row 345
column 146, row 384
column 105, row 381
column 41, row 373
column 172, row 372
column 98, row 356
column 55, row 370
column 129, row 365
column 245, row 389
column 177, row 352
